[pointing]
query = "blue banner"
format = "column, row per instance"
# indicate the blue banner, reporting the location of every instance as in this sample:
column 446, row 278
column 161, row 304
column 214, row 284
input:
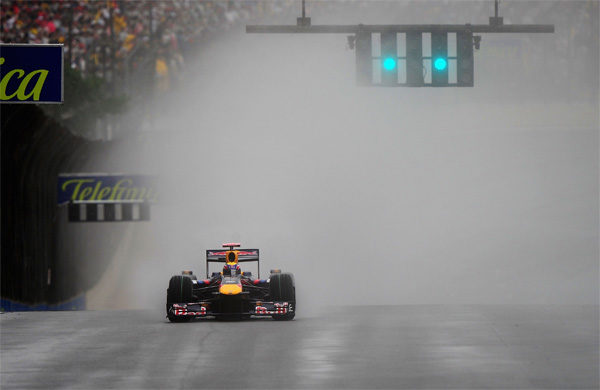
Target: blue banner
column 31, row 73
column 94, row 187
column 77, row 303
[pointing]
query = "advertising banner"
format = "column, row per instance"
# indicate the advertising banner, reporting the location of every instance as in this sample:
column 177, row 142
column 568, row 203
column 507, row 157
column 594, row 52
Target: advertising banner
column 31, row 73
column 105, row 188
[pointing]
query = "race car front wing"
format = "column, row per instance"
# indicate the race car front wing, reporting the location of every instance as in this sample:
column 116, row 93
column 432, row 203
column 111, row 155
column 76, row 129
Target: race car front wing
column 203, row 309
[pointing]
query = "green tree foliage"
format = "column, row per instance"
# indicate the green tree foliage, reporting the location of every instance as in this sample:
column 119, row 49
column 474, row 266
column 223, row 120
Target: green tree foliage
column 86, row 100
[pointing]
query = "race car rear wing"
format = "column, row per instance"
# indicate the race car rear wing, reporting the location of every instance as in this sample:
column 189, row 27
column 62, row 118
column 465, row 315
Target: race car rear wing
column 244, row 255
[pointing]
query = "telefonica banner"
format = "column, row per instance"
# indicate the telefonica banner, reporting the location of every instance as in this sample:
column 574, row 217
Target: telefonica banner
column 31, row 73
column 105, row 188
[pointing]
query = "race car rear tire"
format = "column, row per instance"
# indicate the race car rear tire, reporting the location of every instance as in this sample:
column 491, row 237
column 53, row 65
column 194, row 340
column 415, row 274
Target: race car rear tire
column 179, row 291
column 282, row 288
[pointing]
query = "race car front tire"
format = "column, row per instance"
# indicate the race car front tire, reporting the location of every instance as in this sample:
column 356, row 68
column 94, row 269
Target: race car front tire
column 179, row 291
column 282, row 288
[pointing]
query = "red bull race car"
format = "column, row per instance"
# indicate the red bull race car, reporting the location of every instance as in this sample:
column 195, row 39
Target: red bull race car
column 231, row 293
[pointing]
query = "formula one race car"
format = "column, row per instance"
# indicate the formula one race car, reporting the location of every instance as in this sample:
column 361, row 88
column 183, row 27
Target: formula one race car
column 231, row 293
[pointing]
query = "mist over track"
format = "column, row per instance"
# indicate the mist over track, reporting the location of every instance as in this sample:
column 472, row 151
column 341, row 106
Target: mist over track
column 440, row 238
column 440, row 195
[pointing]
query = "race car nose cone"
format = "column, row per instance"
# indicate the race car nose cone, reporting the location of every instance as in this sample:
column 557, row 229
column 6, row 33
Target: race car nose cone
column 230, row 289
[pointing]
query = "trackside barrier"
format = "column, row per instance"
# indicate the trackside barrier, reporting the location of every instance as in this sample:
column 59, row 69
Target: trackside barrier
column 44, row 262
column 78, row 303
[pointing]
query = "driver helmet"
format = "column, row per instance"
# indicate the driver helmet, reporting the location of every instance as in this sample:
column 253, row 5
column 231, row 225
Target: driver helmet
column 231, row 267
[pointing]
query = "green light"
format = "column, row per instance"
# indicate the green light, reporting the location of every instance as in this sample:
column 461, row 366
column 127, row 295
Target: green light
column 389, row 63
column 440, row 64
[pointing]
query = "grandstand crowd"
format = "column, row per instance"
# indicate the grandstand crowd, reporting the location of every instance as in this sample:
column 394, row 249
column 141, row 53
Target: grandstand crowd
column 110, row 38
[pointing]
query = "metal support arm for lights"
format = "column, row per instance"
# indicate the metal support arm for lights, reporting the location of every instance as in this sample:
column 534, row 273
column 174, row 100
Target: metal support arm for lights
column 303, row 21
column 360, row 40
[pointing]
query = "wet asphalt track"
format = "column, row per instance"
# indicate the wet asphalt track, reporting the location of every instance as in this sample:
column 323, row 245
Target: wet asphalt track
column 408, row 347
